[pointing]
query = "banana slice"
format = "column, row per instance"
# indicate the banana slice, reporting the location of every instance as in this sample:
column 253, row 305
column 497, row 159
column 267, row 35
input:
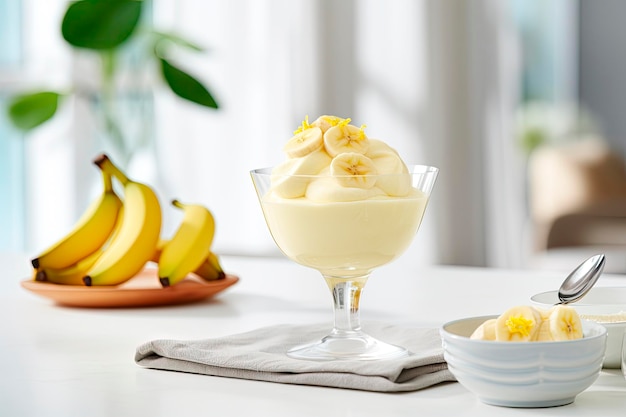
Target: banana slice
column 325, row 122
column 289, row 179
column 303, row 126
column 518, row 324
column 545, row 313
column 345, row 138
column 304, row 142
column 544, row 334
column 352, row 169
column 565, row 323
column 486, row 331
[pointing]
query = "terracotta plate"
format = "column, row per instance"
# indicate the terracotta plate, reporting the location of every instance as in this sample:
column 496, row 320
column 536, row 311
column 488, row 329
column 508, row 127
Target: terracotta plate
column 142, row 290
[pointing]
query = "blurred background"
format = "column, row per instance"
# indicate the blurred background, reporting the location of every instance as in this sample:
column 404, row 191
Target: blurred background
column 518, row 102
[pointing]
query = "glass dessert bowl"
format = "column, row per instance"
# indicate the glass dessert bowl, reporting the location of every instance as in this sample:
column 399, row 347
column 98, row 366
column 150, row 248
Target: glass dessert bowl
column 344, row 232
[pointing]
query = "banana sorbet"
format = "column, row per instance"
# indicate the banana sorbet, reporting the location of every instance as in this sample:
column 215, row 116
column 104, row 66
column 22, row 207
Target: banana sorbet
column 342, row 201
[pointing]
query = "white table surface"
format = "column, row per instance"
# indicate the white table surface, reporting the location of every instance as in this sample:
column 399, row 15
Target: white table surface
column 59, row 361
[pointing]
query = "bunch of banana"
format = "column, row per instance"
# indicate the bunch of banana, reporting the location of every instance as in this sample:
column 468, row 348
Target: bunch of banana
column 115, row 239
column 528, row 324
column 138, row 235
column 189, row 250
column 69, row 259
column 111, row 242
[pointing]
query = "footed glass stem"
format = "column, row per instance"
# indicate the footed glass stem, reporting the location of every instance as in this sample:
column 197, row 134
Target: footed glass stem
column 347, row 341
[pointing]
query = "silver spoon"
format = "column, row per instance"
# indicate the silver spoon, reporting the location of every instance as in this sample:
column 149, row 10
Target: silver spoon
column 581, row 279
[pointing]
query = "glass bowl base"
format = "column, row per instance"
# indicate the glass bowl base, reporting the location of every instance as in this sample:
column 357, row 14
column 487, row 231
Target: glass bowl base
column 359, row 346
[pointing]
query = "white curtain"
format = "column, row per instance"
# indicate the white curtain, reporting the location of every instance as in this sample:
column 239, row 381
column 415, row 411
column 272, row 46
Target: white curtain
column 436, row 79
column 51, row 204
column 495, row 79
column 473, row 78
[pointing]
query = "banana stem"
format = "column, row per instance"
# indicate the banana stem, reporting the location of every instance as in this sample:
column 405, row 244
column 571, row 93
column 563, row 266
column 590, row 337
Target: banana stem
column 105, row 164
column 108, row 183
column 178, row 204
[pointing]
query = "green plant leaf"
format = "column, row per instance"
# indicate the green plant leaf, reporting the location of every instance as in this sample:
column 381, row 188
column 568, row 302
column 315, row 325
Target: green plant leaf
column 177, row 40
column 100, row 24
column 186, row 86
column 28, row 111
column 532, row 138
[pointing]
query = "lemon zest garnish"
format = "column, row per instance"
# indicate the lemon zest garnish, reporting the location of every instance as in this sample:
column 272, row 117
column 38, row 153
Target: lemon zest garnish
column 519, row 324
column 332, row 120
column 362, row 132
column 343, row 123
column 305, row 125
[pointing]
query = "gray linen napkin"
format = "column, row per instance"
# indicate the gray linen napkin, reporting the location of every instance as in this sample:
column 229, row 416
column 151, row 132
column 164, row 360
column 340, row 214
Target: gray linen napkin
column 260, row 355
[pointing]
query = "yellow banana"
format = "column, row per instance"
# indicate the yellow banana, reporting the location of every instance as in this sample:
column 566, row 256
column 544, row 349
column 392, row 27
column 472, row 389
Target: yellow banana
column 72, row 275
column 91, row 231
column 210, row 269
column 139, row 232
column 189, row 246
column 158, row 250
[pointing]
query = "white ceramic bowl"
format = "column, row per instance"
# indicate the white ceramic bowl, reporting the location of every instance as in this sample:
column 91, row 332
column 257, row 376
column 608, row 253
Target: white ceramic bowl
column 601, row 304
column 523, row 374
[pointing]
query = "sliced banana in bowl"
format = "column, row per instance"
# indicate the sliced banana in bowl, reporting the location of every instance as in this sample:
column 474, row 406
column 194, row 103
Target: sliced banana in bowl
column 531, row 324
column 523, row 373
